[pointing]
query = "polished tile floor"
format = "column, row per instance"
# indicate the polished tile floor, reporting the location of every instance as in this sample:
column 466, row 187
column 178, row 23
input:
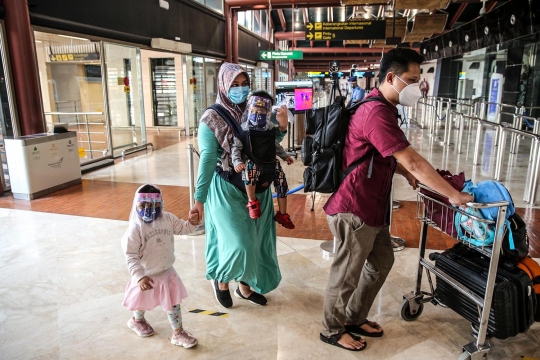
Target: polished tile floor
column 63, row 278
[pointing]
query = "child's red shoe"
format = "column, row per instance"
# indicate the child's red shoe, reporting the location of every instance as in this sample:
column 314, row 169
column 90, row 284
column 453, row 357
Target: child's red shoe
column 254, row 209
column 284, row 219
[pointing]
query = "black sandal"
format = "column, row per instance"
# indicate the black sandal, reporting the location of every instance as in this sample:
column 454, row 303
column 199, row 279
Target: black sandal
column 356, row 329
column 333, row 340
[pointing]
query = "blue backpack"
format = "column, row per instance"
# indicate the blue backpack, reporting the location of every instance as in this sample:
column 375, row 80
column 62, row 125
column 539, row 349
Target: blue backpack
column 473, row 231
column 490, row 191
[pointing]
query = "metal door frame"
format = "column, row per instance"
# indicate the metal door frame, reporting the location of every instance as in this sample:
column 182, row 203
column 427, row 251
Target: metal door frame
column 12, row 103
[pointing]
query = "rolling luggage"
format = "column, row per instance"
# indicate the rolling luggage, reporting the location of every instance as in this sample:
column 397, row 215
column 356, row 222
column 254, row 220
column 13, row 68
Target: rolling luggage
column 513, row 305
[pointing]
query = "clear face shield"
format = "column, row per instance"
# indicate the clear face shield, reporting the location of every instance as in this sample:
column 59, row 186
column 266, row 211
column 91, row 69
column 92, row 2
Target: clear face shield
column 147, row 206
column 258, row 111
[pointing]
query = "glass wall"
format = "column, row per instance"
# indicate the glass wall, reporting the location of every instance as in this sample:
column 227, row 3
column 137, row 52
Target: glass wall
column 163, row 89
column 71, row 81
column 163, row 92
column 255, row 21
column 202, row 87
column 124, row 88
column 216, row 5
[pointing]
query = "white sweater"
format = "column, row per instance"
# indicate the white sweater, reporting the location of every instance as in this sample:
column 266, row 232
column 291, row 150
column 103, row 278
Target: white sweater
column 149, row 248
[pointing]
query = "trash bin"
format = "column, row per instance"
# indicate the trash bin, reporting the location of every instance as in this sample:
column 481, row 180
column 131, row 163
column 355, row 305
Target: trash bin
column 42, row 163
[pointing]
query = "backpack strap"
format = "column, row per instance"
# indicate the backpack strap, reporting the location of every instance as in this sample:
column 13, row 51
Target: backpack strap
column 242, row 135
column 353, row 109
column 227, row 117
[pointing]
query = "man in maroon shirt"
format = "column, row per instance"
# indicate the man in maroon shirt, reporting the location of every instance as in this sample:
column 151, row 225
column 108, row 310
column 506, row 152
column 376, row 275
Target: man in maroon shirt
column 358, row 212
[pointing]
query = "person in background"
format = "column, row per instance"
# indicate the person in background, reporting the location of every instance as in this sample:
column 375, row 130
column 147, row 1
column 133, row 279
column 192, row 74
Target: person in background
column 357, row 93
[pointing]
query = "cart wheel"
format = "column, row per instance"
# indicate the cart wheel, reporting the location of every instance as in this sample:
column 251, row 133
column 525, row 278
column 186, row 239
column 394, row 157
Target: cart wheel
column 465, row 356
column 405, row 311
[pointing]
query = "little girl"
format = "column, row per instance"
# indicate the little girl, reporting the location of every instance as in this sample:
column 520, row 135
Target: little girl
column 148, row 245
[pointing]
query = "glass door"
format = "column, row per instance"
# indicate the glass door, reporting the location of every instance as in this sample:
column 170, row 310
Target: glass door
column 163, row 76
column 123, row 79
column 196, row 92
column 7, row 108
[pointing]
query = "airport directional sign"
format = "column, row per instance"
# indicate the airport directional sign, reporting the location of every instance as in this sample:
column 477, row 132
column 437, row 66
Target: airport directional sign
column 281, row 55
column 347, row 30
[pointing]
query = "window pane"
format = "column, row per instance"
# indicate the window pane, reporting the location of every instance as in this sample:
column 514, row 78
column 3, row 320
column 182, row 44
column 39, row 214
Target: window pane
column 264, row 27
column 249, row 20
column 257, row 22
column 242, row 18
column 216, row 5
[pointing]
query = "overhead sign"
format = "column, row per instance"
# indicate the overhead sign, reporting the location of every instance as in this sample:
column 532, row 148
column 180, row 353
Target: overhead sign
column 74, row 57
column 282, row 55
column 347, row 30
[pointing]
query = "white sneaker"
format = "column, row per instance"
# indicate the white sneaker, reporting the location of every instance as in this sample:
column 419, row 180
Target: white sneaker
column 183, row 338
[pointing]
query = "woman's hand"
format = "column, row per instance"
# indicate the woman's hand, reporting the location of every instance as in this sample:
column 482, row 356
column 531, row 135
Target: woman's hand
column 146, row 283
column 282, row 118
column 198, row 209
column 193, row 217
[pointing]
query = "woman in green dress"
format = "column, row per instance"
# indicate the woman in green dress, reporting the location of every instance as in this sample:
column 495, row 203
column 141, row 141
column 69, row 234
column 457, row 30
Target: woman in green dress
column 237, row 247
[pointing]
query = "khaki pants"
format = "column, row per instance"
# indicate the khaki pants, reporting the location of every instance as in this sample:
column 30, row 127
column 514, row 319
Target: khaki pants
column 363, row 258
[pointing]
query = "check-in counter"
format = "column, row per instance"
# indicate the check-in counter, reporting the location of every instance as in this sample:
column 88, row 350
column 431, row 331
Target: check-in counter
column 43, row 163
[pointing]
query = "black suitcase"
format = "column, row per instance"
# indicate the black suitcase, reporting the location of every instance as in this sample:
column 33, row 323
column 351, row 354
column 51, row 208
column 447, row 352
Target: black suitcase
column 512, row 306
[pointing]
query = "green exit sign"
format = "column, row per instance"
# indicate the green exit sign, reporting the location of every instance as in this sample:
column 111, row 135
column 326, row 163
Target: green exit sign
column 282, row 55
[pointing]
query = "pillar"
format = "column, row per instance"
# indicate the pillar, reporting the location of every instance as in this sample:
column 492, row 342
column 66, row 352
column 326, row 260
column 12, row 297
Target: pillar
column 24, row 67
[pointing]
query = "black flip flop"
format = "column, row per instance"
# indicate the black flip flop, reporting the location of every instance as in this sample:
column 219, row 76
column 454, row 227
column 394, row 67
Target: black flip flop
column 333, row 340
column 356, row 329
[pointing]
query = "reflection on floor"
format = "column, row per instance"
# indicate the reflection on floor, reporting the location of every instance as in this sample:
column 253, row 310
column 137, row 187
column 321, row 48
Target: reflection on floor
column 63, row 279
column 88, row 198
column 63, row 276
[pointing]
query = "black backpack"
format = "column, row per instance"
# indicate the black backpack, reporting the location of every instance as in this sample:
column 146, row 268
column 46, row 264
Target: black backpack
column 258, row 146
column 322, row 149
column 521, row 240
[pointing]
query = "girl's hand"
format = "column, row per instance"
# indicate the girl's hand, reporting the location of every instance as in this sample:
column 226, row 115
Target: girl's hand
column 239, row 167
column 282, row 118
column 146, row 283
column 198, row 208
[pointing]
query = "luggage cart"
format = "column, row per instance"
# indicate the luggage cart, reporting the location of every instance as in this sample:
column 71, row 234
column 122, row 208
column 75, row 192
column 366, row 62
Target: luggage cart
column 413, row 303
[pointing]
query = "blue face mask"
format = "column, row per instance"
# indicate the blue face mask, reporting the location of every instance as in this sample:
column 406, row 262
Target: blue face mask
column 238, row 94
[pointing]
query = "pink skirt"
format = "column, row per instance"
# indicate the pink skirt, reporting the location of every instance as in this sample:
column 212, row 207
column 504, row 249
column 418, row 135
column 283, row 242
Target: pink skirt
column 168, row 290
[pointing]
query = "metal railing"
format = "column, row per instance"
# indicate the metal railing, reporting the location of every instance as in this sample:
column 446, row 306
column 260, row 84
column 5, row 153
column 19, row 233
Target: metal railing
column 463, row 115
column 87, row 124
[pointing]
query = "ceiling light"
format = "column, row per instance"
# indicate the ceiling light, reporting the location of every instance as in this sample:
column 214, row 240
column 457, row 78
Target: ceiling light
column 73, row 37
column 483, row 9
column 39, row 41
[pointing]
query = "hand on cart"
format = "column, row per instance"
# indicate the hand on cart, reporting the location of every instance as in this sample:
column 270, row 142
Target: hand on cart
column 461, row 198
